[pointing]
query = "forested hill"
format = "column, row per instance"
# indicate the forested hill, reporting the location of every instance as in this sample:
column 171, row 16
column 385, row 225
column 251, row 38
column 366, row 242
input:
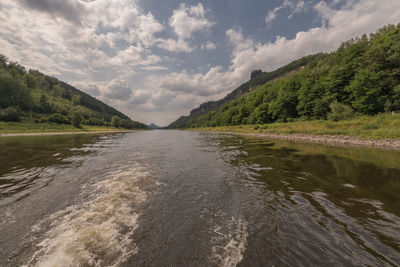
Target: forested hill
column 361, row 77
column 33, row 96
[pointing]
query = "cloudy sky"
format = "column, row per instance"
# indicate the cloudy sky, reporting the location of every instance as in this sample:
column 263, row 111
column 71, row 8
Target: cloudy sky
column 157, row 59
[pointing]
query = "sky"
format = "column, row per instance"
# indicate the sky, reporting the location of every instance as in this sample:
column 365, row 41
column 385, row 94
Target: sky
column 156, row 60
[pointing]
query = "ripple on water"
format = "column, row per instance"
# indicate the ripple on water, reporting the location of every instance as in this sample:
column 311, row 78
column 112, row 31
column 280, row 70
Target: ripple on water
column 99, row 231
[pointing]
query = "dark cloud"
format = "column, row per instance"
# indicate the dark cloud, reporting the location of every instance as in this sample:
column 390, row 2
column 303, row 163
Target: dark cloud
column 163, row 99
column 139, row 98
column 71, row 10
column 92, row 90
column 119, row 90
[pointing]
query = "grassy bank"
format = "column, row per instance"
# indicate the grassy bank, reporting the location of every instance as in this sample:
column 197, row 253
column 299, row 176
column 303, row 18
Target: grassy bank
column 371, row 127
column 30, row 127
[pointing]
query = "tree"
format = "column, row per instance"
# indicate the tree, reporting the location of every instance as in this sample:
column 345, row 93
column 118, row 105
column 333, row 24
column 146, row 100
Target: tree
column 10, row 114
column 58, row 118
column 44, row 104
column 76, row 120
column 3, row 61
column 320, row 109
column 58, row 91
column 340, row 111
column 76, row 99
column 261, row 114
column 366, row 95
column 115, row 121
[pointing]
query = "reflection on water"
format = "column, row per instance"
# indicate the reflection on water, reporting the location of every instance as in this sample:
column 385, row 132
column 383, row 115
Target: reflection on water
column 337, row 202
column 29, row 162
column 175, row 198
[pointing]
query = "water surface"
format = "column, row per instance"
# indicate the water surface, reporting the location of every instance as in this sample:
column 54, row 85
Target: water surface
column 175, row 198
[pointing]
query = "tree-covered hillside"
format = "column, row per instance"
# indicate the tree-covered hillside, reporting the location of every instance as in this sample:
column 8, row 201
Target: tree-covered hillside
column 33, row 96
column 361, row 77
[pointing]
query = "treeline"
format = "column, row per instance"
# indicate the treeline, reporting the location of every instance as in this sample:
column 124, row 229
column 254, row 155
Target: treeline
column 33, row 96
column 258, row 77
column 361, row 78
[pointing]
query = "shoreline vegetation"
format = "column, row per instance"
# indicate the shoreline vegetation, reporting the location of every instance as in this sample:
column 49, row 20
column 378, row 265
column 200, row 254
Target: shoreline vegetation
column 34, row 129
column 348, row 97
column 380, row 131
column 29, row 96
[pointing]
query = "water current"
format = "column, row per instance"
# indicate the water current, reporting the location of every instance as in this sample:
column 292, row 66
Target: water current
column 180, row 198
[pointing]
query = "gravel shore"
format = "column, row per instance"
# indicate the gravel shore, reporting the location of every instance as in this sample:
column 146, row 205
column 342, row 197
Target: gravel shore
column 336, row 140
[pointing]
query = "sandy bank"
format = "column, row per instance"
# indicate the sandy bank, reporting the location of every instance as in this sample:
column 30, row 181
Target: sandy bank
column 335, row 140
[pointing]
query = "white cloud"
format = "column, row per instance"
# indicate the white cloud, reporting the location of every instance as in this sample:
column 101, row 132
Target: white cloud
column 294, row 7
column 364, row 17
column 187, row 20
column 108, row 46
column 57, row 45
column 299, row 8
column 172, row 45
column 273, row 13
column 139, row 97
column 208, row 46
column 118, row 89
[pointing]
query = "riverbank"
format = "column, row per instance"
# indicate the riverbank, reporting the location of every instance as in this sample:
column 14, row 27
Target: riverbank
column 381, row 131
column 33, row 129
column 335, row 140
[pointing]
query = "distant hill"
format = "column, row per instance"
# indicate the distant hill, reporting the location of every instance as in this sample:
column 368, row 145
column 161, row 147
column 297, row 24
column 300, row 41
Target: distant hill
column 257, row 78
column 34, row 96
column 361, row 77
column 153, row 126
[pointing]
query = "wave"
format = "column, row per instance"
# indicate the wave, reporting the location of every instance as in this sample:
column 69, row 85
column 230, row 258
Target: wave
column 99, row 231
column 229, row 242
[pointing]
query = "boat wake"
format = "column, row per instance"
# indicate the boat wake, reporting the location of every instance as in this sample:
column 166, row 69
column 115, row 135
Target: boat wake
column 99, row 231
column 229, row 242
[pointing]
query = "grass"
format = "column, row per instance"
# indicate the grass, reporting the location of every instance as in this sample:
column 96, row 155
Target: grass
column 371, row 127
column 31, row 127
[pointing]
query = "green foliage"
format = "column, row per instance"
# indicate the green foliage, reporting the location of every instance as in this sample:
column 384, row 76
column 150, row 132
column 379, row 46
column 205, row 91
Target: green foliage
column 320, row 109
column 115, row 121
column 40, row 98
column 362, row 76
column 95, row 121
column 58, row 118
column 45, row 106
column 261, row 114
column 76, row 99
column 340, row 111
column 10, row 114
column 76, row 120
column 13, row 92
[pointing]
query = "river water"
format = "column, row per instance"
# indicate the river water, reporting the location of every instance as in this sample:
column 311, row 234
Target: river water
column 178, row 198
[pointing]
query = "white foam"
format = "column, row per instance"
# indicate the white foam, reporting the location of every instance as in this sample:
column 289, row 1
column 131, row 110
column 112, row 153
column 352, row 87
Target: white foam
column 98, row 232
column 349, row 185
column 228, row 247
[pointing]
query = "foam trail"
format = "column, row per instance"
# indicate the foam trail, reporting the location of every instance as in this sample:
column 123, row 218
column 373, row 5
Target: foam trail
column 98, row 232
column 229, row 247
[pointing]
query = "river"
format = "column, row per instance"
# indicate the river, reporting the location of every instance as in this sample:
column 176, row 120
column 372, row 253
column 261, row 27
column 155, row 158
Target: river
column 180, row 198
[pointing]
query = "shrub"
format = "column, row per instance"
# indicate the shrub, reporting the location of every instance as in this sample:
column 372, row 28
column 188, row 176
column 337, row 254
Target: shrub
column 370, row 126
column 94, row 121
column 10, row 114
column 76, row 120
column 340, row 111
column 115, row 121
column 58, row 118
